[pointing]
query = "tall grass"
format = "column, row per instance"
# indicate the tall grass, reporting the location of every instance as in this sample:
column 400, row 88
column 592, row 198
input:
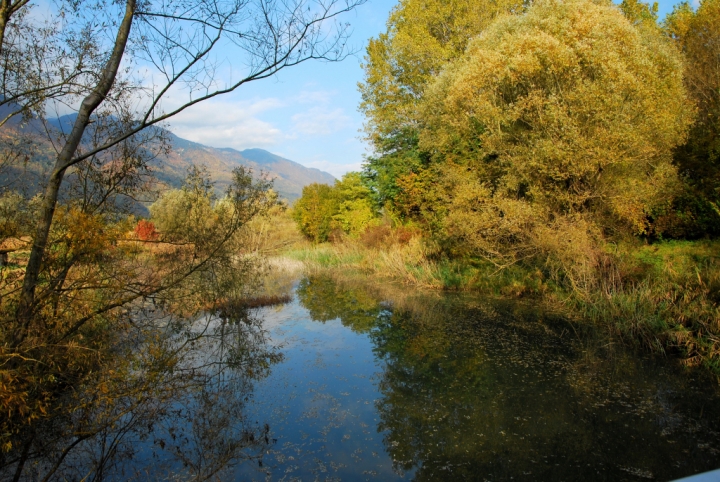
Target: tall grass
column 667, row 300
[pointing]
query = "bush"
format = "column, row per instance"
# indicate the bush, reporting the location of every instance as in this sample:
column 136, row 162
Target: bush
column 145, row 230
column 376, row 236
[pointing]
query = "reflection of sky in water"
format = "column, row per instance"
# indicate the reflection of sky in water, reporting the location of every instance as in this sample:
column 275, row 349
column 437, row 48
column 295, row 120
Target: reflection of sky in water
column 320, row 402
column 465, row 389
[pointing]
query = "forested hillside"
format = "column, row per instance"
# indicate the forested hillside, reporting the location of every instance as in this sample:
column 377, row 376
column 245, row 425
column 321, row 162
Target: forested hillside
column 288, row 177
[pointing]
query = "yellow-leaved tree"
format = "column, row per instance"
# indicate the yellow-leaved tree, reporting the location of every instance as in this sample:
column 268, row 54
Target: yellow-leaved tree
column 555, row 127
column 355, row 210
column 422, row 37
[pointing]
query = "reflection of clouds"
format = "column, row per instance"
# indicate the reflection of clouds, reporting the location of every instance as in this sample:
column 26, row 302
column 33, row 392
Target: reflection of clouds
column 288, row 327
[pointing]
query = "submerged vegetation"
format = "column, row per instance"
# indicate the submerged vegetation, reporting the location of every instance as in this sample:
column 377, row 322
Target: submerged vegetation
column 561, row 150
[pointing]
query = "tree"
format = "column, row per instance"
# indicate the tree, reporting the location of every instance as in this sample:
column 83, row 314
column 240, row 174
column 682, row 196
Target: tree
column 347, row 206
column 355, row 210
column 314, row 211
column 145, row 230
column 563, row 118
column 697, row 34
column 66, row 312
column 180, row 41
column 422, row 38
column 110, row 317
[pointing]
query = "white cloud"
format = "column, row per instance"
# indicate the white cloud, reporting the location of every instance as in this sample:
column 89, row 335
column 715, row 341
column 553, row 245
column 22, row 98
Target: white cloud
column 320, row 121
column 275, row 124
column 228, row 124
column 241, row 135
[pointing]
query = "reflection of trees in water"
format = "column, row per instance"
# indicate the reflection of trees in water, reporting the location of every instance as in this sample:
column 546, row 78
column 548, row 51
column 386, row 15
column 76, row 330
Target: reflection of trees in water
column 173, row 409
column 325, row 301
column 473, row 390
column 450, row 406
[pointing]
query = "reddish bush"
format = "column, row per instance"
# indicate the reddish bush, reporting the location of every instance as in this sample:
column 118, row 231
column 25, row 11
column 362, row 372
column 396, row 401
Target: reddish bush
column 146, row 231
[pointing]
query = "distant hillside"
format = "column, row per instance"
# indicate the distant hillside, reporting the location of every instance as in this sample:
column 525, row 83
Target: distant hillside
column 288, row 176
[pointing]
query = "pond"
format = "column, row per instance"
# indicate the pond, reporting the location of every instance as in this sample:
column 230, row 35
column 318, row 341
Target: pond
column 397, row 385
column 382, row 382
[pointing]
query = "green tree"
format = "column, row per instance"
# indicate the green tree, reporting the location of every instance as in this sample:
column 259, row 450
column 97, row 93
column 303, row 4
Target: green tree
column 697, row 34
column 355, row 207
column 314, row 211
column 347, row 206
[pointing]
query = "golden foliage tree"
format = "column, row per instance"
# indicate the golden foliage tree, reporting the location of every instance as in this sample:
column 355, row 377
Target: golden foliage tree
column 347, row 206
column 355, row 208
column 422, row 37
column 563, row 116
column 313, row 212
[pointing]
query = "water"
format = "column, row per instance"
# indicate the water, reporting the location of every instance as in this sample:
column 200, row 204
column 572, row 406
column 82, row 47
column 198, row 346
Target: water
column 403, row 386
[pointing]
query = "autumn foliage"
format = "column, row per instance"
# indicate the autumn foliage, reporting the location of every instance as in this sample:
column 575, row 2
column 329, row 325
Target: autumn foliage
column 345, row 208
column 145, row 230
column 537, row 138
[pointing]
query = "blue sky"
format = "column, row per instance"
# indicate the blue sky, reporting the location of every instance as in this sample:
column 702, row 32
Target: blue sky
column 306, row 113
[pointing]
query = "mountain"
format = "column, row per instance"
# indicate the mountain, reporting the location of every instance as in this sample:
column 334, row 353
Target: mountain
column 289, row 177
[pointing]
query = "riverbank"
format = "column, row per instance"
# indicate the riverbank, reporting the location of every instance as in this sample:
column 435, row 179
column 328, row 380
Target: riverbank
column 662, row 296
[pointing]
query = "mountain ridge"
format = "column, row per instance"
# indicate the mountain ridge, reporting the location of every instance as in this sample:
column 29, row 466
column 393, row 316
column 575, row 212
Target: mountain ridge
column 289, row 177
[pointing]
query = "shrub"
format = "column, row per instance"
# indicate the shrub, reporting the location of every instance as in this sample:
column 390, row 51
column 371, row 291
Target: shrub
column 376, row 236
column 145, row 230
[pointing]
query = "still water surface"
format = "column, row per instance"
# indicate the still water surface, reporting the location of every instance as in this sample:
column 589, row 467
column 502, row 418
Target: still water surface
column 398, row 386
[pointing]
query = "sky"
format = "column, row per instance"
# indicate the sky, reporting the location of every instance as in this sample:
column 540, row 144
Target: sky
column 308, row 113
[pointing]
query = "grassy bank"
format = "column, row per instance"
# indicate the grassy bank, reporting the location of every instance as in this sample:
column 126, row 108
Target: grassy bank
column 662, row 296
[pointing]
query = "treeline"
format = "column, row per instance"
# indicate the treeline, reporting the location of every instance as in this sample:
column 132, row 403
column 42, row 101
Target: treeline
column 550, row 137
column 505, row 122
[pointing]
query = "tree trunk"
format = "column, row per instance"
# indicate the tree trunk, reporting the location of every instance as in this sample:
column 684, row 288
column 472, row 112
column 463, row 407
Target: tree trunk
column 7, row 10
column 63, row 162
